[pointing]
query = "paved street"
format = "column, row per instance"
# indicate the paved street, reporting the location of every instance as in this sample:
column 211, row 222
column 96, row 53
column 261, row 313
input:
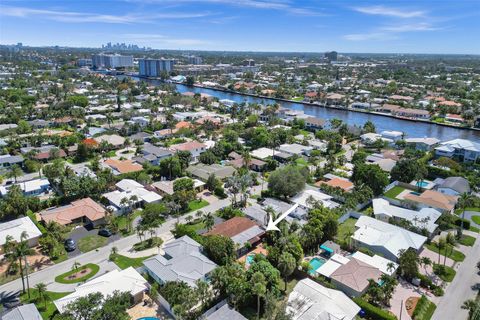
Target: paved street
column 449, row 306
column 99, row 256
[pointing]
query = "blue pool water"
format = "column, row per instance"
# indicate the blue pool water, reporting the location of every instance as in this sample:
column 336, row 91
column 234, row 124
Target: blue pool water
column 148, row 318
column 422, row 184
column 316, row 263
column 415, row 193
column 250, row 258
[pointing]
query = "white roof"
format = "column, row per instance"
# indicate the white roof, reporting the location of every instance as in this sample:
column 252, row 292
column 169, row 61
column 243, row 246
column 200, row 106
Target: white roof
column 130, row 188
column 15, row 228
column 294, row 148
column 312, row 301
column 427, row 141
column 425, row 218
column 263, row 153
column 128, row 280
column 302, row 199
column 28, row 186
column 376, row 261
column 374, row 232
column 462, row 144
column 328, row 268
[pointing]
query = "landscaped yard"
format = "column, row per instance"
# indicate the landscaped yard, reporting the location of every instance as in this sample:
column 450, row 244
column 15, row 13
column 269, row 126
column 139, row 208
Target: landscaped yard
column 452, row 254
column 79, row 274
column 301, row 162
column 394, row 192
column 346, row 229
column 46, row 308
column 124, row 262
column 424, row 309
column 122, row 220
column 91, row 242
column 460, row 211
column 445, row 273
column 197, row 204
column 467, row 240
column 476, row 219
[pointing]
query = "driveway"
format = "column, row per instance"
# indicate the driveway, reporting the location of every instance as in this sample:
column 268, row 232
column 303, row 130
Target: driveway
column 82, row 232
column 469, row 215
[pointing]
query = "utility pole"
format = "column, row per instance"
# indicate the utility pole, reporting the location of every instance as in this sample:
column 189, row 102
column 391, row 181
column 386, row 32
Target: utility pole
column 401, row 310
column 26, row 273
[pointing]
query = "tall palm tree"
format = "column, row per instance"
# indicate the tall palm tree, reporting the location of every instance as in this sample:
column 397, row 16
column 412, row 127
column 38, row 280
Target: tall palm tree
column 42, row 293
column 450, row 243
column 14, row 172
column 471, row 305
column 441, row 244
column 464, row 202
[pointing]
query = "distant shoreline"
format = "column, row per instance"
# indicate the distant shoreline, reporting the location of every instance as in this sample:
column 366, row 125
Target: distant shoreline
column 317, row 105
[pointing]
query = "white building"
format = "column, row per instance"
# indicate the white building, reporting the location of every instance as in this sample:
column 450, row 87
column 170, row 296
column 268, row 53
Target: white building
column 466, row 150
column 129, row 189
column 310, row 300
column 16, row 227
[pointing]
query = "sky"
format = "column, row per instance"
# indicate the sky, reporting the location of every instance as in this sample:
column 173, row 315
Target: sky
column 353, row 26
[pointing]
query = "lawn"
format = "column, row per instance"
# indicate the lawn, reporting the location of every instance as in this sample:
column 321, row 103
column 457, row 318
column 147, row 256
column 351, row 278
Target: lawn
column 454, row 255
column 91, row 242
column 50, row 309
column 444, row 272
column 124, row 262
column 467, row 240
column 476, row 219
column 301, row 162
column 424, row 309
column 394, row 192
column 346, row 229
column 197, row 204
column 298, row 99
column 63, row 278
column 122, row 220
column 460, row 211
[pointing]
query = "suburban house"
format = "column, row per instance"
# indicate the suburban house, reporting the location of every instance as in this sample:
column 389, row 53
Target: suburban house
column 313, row 123
column 237, row 161
column 34, row 187
column 241, row 230
column 114, row 140
column 263, row 153
column 130, row 194
column 384, row 238
column 182, row 260
column 44, row 153
column 194, row 147
column 352, row 277
column 432, row 199
column 425, row 218
column 165, row 187
column 465, row 150
column 127, row 280
column 85, row 211
column 6, row 161
column 152, row 154
column 222, row 311
column 119, row 167
column 295, row 149
column 16, row 227
column 23, row 312
column 203, row 171
column 337, row 182
column 307, row 198
column 422, row 144
column 310, row 300
column 454, row 186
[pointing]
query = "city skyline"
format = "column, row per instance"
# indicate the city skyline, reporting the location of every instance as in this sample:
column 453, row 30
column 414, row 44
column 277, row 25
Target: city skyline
column 247, row 25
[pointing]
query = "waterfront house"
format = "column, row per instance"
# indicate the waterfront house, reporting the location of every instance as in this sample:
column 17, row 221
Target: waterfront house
column 462, row 149
column 454, row 186
column 422, row 144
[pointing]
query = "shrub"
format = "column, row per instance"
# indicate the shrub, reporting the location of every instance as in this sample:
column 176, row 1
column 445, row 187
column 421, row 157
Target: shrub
column 466, row 223
column 219, row 192
column 372, row 312
column 366, row 251
column 437, row 291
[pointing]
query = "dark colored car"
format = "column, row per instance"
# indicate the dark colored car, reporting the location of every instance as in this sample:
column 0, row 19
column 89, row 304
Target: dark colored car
column 105, row 232
column 70, row 245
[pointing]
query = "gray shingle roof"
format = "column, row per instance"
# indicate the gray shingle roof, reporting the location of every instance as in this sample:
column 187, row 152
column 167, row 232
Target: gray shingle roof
column 458, row 184
column 25, row 312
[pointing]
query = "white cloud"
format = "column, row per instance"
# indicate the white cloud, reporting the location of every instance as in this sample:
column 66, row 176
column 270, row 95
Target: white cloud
column 162, row 40
column 370, row 36
column 391, row 12
column 82, row 17
column 411, row 27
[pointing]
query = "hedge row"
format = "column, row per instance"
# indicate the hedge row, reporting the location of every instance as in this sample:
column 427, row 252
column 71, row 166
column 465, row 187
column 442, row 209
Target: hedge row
column 372, row 312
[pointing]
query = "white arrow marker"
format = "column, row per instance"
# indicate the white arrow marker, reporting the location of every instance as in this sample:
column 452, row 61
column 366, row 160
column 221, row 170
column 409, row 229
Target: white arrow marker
column 272, row 225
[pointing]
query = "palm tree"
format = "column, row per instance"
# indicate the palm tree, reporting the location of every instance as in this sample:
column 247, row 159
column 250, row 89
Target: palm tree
column 76, row 265
column 189, row 218
column 450, row 243
column 470, row 305
column 42, row 293
column 464, row 202
column 441, row 243
column 259, row 288
column 209, row 221
column 113, row 251
column 19, row 251
column 425, row 261
column 14, row 172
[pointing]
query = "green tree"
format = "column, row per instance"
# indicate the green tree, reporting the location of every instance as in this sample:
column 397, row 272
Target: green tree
column 259, row 288
column 286, row 266
column 42, row 293
column 370, row 175
column 219, row 249
column 14, row 172
column 287, row 181
column 209, row 221
column 369, row 127
column 408, row 262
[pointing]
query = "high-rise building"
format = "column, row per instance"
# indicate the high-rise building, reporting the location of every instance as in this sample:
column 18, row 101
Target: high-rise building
column 154, row 67
column 84, row 62
column 331, row 56
column 111, row 61
column 249, row 62
column 195, row 60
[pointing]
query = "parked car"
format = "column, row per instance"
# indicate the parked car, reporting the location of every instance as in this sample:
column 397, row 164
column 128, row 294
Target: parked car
column 70, row 245
column 105, row 232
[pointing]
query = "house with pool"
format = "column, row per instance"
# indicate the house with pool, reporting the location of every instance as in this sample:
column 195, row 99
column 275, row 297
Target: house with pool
column 183, row 260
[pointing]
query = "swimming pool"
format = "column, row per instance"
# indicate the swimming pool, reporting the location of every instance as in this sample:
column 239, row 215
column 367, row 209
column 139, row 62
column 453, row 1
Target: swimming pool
column 250, row 258
column 316, row 263
column 415, row 193
column 148, row 318
column 422, row 184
